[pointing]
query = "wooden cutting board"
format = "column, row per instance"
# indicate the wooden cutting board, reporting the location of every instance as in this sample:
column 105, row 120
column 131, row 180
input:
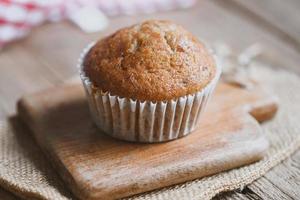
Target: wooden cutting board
column 96, row 166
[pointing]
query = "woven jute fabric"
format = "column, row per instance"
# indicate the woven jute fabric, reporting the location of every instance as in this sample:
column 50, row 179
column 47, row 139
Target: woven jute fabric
column 27, row 173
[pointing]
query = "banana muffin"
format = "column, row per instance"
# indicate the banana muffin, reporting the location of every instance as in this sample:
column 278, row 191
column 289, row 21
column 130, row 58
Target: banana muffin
column 148, row 82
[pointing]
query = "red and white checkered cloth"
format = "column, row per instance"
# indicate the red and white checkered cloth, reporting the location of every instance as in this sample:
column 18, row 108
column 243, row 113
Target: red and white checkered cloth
column 17, row 17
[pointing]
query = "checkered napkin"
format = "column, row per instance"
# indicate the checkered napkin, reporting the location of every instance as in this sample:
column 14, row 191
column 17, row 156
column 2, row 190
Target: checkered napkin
column 18, row 17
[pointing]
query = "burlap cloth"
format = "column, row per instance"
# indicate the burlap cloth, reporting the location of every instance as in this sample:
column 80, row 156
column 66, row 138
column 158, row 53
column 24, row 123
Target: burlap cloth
column 25, row 171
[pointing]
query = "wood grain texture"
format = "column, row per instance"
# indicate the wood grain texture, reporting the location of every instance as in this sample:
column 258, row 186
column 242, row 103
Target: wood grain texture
column 281, row 183
column 277, row 44
column 282, row 18
column 97, row 166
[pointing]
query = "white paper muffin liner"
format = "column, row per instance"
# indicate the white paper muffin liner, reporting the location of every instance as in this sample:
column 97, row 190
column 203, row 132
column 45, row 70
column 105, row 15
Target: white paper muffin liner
column 145, row 121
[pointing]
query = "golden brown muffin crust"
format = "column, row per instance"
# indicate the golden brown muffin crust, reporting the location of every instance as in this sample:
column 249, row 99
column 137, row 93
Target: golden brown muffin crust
column 154, row 60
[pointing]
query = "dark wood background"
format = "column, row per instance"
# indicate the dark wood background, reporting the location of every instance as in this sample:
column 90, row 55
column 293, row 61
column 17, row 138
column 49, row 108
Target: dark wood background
column 48, row 57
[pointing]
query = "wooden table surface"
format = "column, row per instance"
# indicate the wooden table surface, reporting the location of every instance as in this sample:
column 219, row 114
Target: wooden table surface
column 48, row 57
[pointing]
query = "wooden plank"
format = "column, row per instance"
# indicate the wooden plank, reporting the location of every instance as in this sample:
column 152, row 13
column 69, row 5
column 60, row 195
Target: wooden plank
column 277, row 51
column 246, row 194
column 21, row 75
column 286, row 177
column 280, row 16
column 282, row 182
column 267, row 190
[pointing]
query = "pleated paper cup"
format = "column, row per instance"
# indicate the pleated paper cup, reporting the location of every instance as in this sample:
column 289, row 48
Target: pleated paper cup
column 145, row 121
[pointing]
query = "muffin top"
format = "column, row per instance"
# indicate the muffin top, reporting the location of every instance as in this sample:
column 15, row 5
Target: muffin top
column 154, row 61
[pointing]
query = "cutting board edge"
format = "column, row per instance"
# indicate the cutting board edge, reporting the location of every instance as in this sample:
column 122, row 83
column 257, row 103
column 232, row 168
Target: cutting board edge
column 81, row 191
